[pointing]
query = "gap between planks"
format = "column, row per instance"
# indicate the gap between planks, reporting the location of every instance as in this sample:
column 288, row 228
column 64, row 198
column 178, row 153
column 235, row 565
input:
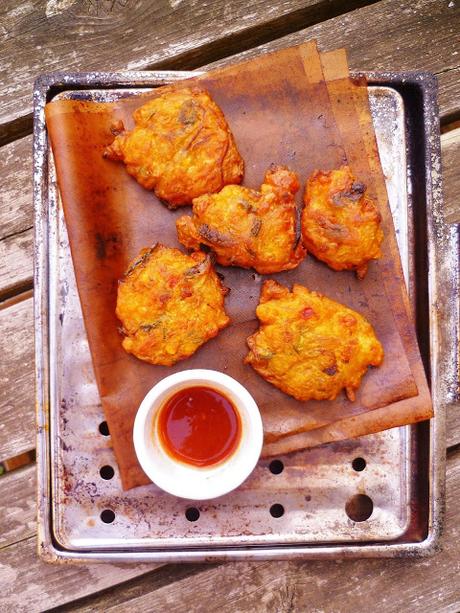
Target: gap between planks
column 17, row 432
column 333, row 23
column 184, row 37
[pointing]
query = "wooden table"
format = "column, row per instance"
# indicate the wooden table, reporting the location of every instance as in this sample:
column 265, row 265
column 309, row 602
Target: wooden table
column 38, row 36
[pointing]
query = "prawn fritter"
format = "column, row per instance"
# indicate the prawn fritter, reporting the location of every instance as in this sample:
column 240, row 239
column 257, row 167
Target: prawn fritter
column 340, row 223
column 248, row 228
column 169, row 304
column 181, row 147
column 309, row 346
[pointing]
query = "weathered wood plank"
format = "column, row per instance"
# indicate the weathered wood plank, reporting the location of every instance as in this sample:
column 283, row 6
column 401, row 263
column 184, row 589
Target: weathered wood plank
column 29, row 585
column 16, row 213
column 390, row 36
column 17, row 493
column 449, row 93
column 38, row 585
column 434, row 589
column 424, row 585
column 16, row 216
column 16, row 262
column 75, row 35
column 43, row 37
column 450, row 145
column 17, row 425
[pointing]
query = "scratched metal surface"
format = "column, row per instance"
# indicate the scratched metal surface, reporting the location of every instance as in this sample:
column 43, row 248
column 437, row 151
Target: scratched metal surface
column 314, row 486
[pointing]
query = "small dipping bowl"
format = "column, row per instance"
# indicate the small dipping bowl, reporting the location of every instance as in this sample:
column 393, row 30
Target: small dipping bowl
column 187, row 480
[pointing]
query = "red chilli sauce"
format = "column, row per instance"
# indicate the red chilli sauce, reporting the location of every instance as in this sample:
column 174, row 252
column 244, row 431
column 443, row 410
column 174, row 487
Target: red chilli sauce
column 199, row 425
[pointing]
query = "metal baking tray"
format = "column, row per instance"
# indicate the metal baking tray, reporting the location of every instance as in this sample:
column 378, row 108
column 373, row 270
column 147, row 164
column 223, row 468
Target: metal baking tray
column 302, row 511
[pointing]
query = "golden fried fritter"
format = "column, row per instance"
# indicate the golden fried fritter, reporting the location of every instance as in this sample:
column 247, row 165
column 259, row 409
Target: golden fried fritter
column 340, row 223
column 169, row 304
column 181, row 147
column 248, row 228
column 310, row 346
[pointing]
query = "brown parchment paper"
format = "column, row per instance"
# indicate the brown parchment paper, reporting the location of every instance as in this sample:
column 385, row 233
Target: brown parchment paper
column 280, row 110
column 354, row 122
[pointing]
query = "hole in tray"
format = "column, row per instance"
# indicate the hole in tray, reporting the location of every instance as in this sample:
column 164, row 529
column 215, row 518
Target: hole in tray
column 107, row 472
column 192, row 514
column 104, row 428
column 107, row 516
column 359, row 507
column 276, row 467
column 359, row 464
column 277, row 510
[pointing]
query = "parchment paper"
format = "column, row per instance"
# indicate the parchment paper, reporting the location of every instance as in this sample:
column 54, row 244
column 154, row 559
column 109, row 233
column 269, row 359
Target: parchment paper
column 354, row 121
column 281, row 110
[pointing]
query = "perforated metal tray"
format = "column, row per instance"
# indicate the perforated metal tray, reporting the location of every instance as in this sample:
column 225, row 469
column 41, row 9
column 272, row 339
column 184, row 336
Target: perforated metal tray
column 302, row 511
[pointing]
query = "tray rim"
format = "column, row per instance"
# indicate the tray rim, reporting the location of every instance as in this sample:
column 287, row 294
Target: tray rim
column 442, row 386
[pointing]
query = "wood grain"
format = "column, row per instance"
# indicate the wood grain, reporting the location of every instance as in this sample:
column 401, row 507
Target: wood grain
column 390, row 36
column 16, row 217
column 17, row 493
column 341, row 586
column 450, row 145
column 16, row 211
column 449, row 94
column 188, row 35
column 41, row 36
column 41, row 588
column 16, row 262
column 31, row 585
column 17, row 430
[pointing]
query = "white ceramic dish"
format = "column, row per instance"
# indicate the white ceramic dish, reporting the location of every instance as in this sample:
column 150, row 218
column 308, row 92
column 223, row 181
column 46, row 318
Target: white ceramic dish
column 186, row 480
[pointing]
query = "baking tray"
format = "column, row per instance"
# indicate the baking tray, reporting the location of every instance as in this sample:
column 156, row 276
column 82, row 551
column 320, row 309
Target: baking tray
column 302, row 510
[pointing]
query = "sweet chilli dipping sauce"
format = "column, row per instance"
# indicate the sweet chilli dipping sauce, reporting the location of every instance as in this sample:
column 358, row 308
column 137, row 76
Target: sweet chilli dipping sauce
column 199, row 425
